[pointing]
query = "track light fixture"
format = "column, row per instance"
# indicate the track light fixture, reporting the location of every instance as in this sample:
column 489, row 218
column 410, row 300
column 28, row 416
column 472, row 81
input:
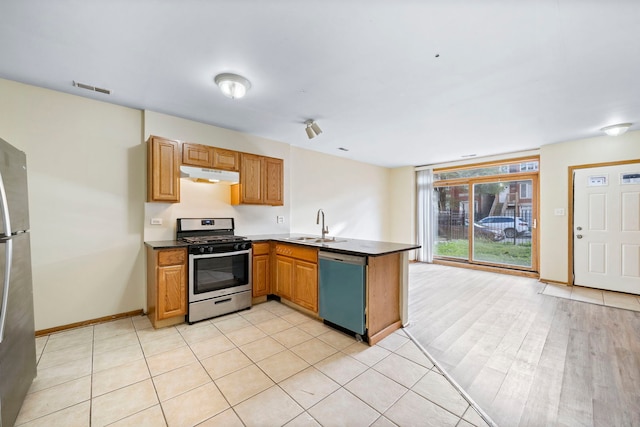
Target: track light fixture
column 312, row 128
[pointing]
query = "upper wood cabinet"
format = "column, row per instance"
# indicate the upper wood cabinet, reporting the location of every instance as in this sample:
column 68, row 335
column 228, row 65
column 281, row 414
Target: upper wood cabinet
column 197, row 155
column 206, row 156
column 226, row 159
column 261, row 178
column 261, row 181
column 273, row 176
column 251, row 179
column 163, row 170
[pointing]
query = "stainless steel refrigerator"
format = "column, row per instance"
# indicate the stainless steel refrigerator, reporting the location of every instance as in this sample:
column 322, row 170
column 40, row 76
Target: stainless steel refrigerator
column 17, row 333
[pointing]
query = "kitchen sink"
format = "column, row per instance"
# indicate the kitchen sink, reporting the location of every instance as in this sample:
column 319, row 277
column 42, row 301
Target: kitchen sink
column 315, row 239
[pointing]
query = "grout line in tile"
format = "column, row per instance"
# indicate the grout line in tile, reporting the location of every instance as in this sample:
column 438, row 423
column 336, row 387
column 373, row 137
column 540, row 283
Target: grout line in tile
column 314, row 365
column 93, row 344
column 146, row 362
column 432, row 369
column 460, row 390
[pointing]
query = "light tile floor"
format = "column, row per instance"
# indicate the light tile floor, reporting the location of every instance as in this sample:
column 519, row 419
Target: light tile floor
column 268, row 366
column 594, row 296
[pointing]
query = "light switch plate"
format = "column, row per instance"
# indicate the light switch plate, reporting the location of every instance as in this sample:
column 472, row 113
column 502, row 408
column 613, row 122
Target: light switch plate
column 558, row 211
column 156, row 221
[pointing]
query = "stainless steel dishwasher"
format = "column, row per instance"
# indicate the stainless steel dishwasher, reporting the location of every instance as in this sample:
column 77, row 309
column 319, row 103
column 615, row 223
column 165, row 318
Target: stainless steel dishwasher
column 342, row 299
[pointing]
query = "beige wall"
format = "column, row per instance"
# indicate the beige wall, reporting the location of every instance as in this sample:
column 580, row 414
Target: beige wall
column 89, row 217
column 87, row 166
column 403, row 205
column 555, row 160
column 86, row 185
column 354, row 196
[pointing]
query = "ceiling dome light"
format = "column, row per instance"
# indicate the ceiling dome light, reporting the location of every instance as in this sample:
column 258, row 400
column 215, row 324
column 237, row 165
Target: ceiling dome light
column 232, row 85
column 615, row 130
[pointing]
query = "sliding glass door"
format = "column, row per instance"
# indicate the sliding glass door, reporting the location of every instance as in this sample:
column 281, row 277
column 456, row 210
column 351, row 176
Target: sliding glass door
column 502, row 222
column 452, row 212
column 486, row 215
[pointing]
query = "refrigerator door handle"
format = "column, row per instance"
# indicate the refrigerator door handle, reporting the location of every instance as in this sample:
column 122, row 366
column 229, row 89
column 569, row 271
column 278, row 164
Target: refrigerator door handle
column 4, row 207
column 8, row 256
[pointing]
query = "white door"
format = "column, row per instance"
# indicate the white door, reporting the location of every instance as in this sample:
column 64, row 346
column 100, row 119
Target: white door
column 606, row 227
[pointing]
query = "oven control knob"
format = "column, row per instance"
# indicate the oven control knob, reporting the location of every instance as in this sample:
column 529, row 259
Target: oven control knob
column 210, row 249
column 241, row 246
column 201, row 250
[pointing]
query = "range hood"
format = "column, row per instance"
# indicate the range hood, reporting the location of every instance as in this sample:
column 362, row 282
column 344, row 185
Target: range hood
column 209, row 175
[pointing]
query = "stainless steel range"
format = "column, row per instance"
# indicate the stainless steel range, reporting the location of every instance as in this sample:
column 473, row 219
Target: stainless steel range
column 219, row 267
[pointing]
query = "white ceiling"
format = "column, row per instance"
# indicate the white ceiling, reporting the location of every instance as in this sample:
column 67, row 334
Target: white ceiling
column 510, row 75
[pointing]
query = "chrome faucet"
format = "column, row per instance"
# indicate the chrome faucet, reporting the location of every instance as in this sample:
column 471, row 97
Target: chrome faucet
column 325, row 230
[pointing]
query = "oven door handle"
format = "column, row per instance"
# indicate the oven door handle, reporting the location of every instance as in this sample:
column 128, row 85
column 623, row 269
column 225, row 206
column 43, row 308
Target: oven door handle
column 220, row 254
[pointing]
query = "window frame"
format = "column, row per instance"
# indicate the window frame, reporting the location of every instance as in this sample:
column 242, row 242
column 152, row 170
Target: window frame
column 532, row 175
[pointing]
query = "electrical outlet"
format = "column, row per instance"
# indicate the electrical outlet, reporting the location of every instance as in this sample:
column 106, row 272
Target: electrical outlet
column 156, row 221
column 279, row 219
column 558, row 211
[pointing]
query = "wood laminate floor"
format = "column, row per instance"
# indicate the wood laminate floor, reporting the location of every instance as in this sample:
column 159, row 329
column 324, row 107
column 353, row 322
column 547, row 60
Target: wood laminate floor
column 525, row 358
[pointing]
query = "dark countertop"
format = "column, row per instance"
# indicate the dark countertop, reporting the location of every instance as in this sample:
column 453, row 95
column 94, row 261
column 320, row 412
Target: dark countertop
column 342, row 245
column 166, row 244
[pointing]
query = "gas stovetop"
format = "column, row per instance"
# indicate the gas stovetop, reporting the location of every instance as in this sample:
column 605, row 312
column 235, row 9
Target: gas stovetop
column 210, row 235
column 200, row 240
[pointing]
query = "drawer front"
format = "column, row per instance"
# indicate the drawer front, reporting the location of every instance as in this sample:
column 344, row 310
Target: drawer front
column 297, row 252
column 261, row 248
column 172, row 257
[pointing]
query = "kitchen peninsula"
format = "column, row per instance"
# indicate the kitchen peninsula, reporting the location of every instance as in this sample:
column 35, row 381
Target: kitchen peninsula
column 287, row 266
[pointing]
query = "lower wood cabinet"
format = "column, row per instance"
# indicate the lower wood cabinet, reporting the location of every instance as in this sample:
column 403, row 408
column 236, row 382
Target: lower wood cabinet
column 296, row 275
column 284, row 277
column 261, row 269
column 305, row 289
column 291, row 272
column 383, row 296
column 166, row 286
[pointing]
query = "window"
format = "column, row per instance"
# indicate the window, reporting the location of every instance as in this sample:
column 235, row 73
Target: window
column 528, row 166
column 481, row 213
column 505, row 168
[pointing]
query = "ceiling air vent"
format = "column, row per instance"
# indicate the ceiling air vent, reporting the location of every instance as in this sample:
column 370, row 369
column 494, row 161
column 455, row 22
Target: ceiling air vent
column 91, row 88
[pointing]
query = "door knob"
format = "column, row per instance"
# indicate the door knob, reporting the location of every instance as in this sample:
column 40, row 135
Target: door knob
column 579, row 228
column 579, row 236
